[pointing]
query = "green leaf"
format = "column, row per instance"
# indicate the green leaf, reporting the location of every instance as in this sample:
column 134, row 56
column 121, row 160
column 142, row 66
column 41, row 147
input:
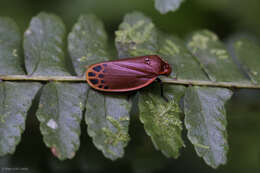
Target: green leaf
column 205, row 120
column 184, row 65
column 107, row 118
column 164, row 6
column 44, row 42
column 15, row 101
column 213, row 57
column 247, row 51
column 136, row 36
column 60, row 113
column 10, row 42
column 161, row 119
column 87, row 43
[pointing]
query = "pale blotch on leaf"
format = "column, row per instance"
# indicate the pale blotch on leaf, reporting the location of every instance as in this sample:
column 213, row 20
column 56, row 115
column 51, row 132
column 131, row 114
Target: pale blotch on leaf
column 220, row 53
column 2, row 118
column 166, row 126
column 89, row 54
column 121, row 134
column 83, row 32
column 211, row 35
column 124, row 118
column 81, row 106
column 28, row 32
column 255, row 73
column 170, row 48
column 198, row 41
column 173, row 46
column 165, row 116
column 83, row 58
column 201, row 146
column 239, row 44
column 130, row 34
column 14, row 52
column 52, row 124
column 111, row 152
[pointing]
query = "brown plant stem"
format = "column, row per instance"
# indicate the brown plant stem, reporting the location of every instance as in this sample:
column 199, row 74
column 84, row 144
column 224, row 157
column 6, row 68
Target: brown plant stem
column 164, row 80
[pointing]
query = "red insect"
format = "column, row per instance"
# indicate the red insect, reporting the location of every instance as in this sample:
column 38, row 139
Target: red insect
column 126, row 74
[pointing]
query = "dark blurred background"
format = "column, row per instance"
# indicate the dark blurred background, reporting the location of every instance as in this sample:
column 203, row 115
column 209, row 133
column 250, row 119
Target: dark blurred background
column 224, row 17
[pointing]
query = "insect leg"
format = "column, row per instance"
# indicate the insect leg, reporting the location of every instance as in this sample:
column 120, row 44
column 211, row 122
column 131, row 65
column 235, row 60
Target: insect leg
column 131, row 94
column 161, row 87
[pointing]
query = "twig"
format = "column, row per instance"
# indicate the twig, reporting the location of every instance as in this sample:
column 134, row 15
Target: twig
column 42, row 78
column 164, row 80
column 211, row 83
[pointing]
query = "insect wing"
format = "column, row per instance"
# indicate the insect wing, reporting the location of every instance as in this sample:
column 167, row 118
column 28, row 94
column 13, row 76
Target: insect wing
column 121, row 75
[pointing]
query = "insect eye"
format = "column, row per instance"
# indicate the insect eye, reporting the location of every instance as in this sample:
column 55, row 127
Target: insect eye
column 166, row 66
column 147, row 60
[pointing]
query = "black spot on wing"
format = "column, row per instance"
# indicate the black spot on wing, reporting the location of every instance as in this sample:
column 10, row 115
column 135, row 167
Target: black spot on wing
column 100, row 86
column 101, row 76
column 94, row 81
column 106, row 87
column 97, row 68
column 91, row 74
